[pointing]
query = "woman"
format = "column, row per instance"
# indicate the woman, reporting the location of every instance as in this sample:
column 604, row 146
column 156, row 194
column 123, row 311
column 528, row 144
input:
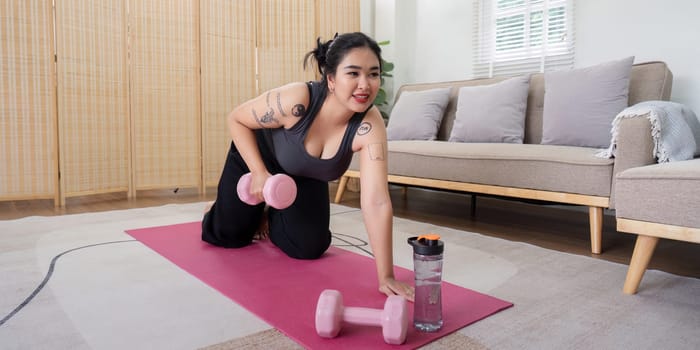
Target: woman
column 310, row 132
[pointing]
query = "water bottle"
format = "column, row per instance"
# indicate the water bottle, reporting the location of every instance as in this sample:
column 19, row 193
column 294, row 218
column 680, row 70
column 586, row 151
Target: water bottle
column 427, row 266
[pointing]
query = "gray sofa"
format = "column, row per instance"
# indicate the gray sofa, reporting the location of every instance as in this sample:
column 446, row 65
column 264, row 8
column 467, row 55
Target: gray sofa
column 533, row 171
column 657, row 201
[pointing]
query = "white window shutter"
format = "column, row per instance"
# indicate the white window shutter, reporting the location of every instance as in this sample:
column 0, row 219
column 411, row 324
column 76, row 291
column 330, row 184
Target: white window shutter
column 523, row 36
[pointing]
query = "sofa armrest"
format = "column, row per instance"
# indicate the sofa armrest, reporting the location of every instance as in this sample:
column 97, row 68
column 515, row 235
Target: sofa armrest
column 634, row 148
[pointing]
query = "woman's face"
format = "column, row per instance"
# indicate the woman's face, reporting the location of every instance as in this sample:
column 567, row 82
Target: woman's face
column 356, row 80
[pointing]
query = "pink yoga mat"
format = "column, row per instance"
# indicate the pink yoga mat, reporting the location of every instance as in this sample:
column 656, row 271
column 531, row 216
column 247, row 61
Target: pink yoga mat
column 284, row 291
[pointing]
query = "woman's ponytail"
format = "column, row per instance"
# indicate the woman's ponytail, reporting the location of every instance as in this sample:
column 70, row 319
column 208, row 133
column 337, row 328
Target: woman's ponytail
column 328, row 55
column 319, row 54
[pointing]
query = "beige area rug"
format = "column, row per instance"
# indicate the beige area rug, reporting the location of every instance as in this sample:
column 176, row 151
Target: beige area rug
column 107, row 291
column 273, row 339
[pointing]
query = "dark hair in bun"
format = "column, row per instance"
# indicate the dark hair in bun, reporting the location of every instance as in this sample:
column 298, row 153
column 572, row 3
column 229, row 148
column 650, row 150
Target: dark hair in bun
column 329, row 54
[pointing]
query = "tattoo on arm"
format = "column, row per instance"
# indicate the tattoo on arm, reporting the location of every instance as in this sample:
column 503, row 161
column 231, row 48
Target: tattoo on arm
column 279, row 105
column 298, row 110
column 364, row 128
column 267, row 118
column 376, row 151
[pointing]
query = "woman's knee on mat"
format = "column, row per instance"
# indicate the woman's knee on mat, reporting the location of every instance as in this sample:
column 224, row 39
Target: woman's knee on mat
column 227, row 240
column 303, row 245
column 226, row 235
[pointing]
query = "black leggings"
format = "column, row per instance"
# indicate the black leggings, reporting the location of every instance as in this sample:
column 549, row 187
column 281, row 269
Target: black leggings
column 301, row 230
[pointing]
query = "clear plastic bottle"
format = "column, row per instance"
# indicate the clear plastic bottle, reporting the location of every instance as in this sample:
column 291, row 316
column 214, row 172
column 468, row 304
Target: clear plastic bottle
column 427, row 265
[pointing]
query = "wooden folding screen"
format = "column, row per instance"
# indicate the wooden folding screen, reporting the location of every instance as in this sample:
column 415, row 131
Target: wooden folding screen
column 135, row 93
column 228, row 74
column 285, row 33
column 93, row 106
column 337, row 17
column 165, row 93
column 28, row 142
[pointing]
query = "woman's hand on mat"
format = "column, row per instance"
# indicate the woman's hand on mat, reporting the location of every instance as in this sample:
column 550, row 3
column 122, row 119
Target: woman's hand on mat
column 391, row 286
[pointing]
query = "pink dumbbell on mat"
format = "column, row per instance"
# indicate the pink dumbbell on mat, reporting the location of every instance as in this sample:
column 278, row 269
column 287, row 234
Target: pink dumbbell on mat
column 330, row 314
column 279, row 191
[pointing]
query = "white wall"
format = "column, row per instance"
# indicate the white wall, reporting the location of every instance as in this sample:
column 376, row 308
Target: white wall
column 367, row 20
column 446, row 31
column 651, row 30
column 432, row 40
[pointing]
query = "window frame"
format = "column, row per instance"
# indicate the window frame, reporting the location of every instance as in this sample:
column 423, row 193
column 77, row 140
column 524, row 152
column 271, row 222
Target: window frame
column 514, row 34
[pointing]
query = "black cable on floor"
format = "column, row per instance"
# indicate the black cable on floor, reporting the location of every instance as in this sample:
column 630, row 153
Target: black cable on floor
column 48, row 276
column 52, row 265
column 350, row 244
column 345, row 212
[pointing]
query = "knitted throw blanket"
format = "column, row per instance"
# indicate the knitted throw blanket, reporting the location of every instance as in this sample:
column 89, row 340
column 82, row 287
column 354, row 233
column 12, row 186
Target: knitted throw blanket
column 675, row 130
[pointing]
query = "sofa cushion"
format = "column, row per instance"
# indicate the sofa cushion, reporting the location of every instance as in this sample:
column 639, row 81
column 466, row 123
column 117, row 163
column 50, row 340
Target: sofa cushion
column 661, row 193
column 417, row 115
column 492, row 113
column 540, row 167
column 648, row 81
column 580, row 104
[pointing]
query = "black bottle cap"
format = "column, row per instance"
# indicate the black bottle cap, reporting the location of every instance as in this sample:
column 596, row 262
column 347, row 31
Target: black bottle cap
column 427, row 244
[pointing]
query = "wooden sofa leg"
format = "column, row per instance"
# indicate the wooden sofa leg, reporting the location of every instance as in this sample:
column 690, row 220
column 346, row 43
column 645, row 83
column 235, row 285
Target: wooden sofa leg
column 595, row 217
column 341, row 188
column 643, row 250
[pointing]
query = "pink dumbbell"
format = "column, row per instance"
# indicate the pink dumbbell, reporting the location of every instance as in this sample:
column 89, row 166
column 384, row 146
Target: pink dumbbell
column 279, row 191
column 393, row 319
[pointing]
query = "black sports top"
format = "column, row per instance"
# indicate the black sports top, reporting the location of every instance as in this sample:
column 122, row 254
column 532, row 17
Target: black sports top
column 288, row 144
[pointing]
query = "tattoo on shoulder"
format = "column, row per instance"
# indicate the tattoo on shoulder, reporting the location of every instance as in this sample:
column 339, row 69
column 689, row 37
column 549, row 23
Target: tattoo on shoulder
column 376, row 151
column 279, row 105
column 364, row 128
column 299, row 110
column 266, row 119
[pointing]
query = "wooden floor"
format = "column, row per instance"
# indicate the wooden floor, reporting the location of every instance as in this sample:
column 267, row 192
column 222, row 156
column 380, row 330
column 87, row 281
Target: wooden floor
column 553, row 227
